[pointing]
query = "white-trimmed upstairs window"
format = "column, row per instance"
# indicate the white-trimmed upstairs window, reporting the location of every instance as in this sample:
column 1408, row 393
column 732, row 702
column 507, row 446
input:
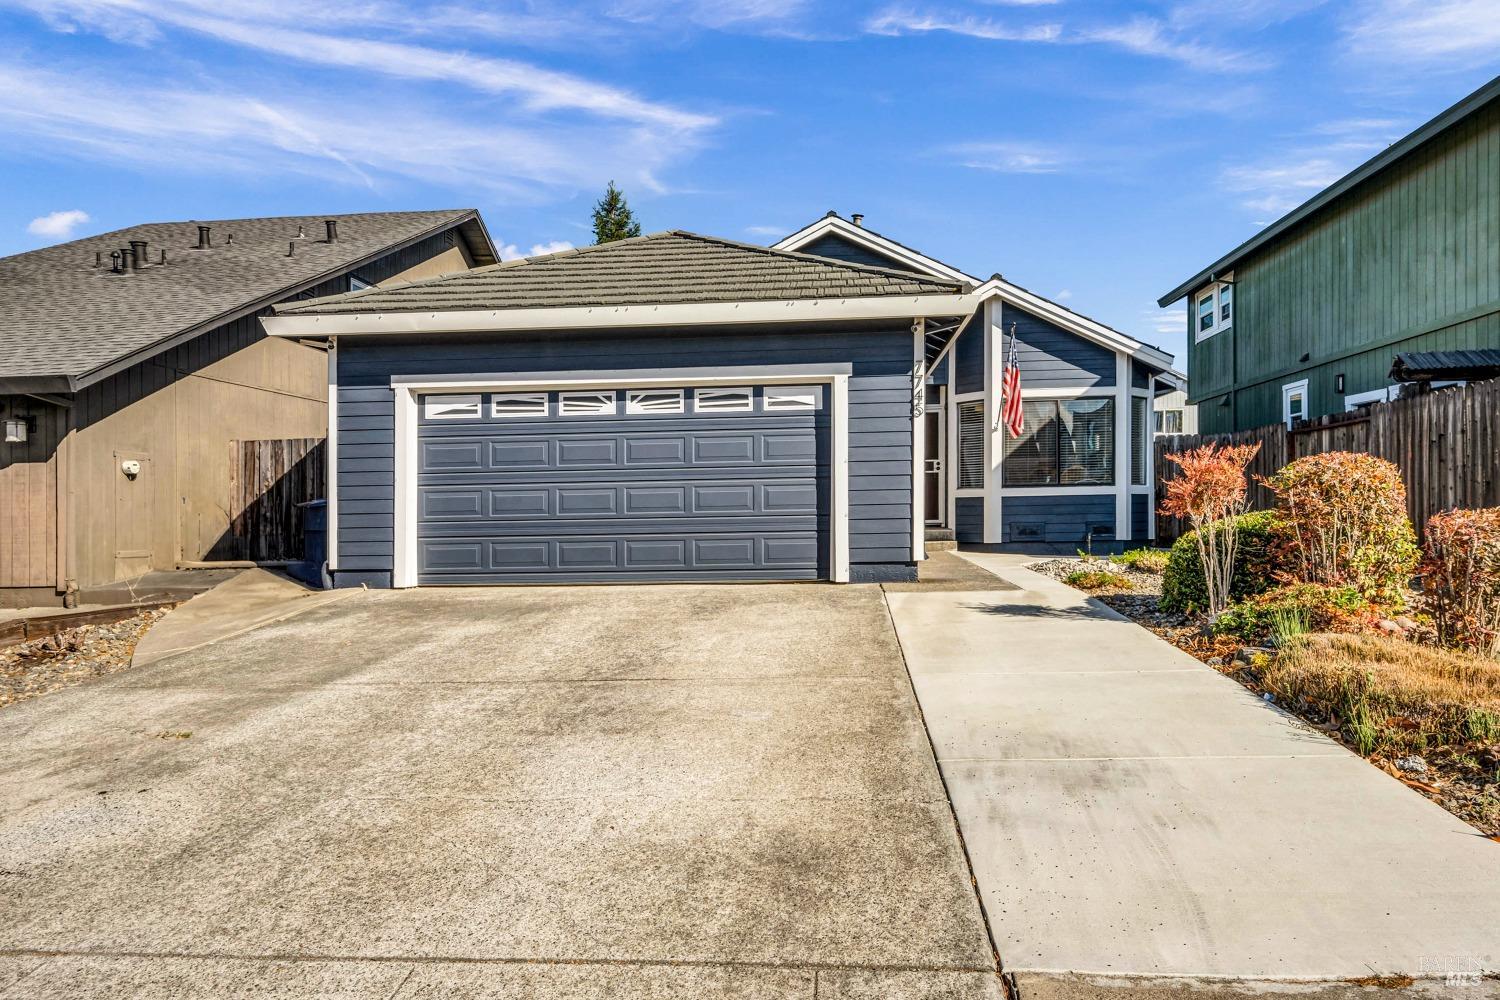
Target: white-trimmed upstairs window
column 450, row 407
column 783, row 398
column 1213, row 309
column 723, row 400
column 653, row 401
column 518, row 404
column 599, row 403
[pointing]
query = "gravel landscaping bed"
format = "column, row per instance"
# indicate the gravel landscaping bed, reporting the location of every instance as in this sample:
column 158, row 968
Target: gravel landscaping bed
column 1463, row 781
column 70, row 657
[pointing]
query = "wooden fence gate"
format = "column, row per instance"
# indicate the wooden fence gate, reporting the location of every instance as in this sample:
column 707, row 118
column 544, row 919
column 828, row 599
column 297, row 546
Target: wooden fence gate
column 1446, row 444
column 268, row 479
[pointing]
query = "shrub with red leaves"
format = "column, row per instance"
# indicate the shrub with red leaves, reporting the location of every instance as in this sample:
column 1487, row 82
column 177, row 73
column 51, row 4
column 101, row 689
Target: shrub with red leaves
column 1346, row 512
column 1211, row 489
column 1461, row 575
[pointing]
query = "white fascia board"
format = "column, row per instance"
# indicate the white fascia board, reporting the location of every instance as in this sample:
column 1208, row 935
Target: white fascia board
column 905, row 307
column 859, row 236
column 1073, row 322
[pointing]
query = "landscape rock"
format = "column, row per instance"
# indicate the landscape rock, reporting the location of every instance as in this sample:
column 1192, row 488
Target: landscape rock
column 1411, row 764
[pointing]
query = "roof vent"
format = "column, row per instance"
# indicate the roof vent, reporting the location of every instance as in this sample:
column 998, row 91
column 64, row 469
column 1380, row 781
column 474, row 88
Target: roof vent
column 127, row 260
column 857, row 219
column 98, row 258
column 333, row 230
column 205, row 239
column 291, row 248
column 138, row 251
column 301, row 232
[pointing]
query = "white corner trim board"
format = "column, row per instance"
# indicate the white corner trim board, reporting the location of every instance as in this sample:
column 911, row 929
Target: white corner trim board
column 902, row 307
column 408, row 389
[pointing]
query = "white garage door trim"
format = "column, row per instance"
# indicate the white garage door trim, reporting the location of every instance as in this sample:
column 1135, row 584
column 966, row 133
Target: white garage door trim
column 408, row 388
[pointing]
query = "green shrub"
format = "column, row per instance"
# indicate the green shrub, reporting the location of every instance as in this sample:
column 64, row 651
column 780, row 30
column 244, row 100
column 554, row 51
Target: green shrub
column 1182, row 588
column 1295, row 610
column 1096, row 579
column 1142, row 560
column 1346, row 521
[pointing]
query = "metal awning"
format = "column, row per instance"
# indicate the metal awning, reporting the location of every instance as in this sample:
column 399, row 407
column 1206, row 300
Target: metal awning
column 1444, row 366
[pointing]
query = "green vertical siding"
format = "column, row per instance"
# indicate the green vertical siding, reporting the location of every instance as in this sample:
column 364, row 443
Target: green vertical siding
column 1408, row 261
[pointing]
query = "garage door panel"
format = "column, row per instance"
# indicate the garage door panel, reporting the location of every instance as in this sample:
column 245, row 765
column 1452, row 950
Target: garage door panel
column 623, row 496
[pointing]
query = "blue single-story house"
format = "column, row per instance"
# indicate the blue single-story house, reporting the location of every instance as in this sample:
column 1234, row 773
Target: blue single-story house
column 682, row 407
column 1080, row 472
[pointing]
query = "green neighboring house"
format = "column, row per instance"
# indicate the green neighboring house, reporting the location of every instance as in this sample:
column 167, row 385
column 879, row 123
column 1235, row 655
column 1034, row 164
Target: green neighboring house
column 1401, row 255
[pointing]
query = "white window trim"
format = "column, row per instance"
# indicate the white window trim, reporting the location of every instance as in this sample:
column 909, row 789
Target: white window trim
column 1214, row 292
column 593, row 395
column 531, row 397
column 1355, row 400
column 634, row 407
column 796, row 405
column 358, row 284
column 408, row 389
column 470, row 398
column 1287, row 391
column 723, row 393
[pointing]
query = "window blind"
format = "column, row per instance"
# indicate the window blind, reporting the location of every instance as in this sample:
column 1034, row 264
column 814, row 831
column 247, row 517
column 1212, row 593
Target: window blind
column 971, row 445
column 1139, row 441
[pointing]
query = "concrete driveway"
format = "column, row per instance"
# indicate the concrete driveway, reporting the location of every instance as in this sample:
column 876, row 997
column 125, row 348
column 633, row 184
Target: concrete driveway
column 1129, row 810
column 570, row 792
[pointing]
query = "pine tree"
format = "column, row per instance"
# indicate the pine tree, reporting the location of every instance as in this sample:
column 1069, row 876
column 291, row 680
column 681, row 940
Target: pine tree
column 613, row 219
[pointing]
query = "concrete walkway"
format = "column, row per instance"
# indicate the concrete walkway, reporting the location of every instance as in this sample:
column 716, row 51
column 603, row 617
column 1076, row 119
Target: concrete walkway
column 1128, row 810
column 248, row 600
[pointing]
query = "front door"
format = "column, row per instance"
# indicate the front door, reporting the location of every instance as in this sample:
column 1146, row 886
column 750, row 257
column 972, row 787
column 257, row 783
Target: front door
column 933, row 479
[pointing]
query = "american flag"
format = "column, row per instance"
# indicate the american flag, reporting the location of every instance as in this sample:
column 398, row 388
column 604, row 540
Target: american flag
column 1011, row 414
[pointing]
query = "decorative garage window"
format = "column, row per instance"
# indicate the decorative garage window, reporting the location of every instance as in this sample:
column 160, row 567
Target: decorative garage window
column 971, row 445
column 518, row 404
column 1066, row 442
column 577, row 404
column 450, row 407
column 723, row 400
column 653, row 401
column 780, row 398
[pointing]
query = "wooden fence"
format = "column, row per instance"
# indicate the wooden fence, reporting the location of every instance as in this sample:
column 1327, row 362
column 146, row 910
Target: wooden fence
column 1446, row 444
column 268, row 479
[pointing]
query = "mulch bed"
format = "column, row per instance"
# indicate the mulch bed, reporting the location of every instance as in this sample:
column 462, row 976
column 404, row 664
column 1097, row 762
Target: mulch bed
column 1450, row 779
column 71, row 657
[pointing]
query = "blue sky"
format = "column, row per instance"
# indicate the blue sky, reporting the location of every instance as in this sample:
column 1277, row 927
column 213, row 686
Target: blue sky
column 1095, row 152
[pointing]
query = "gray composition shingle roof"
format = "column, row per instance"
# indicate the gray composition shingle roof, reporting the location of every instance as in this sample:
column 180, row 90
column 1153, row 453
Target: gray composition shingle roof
column 663, row 268
column 60, row 315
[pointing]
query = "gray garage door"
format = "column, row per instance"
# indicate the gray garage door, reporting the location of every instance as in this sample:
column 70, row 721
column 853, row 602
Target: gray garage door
column 728, row 483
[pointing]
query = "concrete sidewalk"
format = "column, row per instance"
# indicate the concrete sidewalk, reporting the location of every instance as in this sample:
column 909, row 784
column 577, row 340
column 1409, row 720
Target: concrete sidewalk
column 250, row 599
column 1130, row 811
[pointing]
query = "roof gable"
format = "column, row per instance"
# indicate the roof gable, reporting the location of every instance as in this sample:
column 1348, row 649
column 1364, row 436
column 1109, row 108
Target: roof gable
column 846, row 232
column 667, row 268
column 65, row 316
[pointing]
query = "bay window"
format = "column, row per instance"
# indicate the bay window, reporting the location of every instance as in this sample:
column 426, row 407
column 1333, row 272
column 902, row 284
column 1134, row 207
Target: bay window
column 1065, row 442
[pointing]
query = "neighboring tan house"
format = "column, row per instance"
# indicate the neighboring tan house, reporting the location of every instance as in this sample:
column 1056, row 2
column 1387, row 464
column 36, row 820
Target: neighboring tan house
column 1173, row 413
column 1080, row 471
column 130, row 362
column 683, row 407
column 1400, row 256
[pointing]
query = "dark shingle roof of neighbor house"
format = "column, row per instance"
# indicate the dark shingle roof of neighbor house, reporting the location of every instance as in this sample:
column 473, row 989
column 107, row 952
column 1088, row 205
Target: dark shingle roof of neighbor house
column 62, row 319
column 1474, row 103
column 662, row 268
column 1428, row 366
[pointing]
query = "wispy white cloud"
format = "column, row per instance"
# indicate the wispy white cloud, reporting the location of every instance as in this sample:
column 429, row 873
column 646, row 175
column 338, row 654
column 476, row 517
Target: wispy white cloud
column 1165, row 322
column 510, row 251
column 905, row 21
column 1275, row 188
column 1009, row 157
column 1453, row 33
column 1144, row 36
column 57, row 225
column 777, row 231
column 186, row 130
column 1063, row 295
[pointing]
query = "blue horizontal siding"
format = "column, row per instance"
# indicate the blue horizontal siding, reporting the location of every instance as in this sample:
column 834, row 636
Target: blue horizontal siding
column 1056, row 517
column 1140, row 516
column 880, row 422
column 841, row 249
column 1052, row 358
column 968, row 519
column 968, row 357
